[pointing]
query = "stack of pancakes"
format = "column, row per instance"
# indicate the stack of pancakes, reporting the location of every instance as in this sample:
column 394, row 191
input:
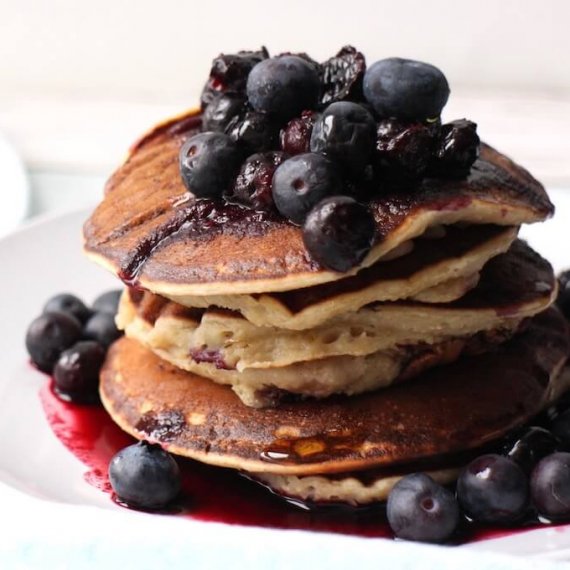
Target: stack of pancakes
column 241, row 351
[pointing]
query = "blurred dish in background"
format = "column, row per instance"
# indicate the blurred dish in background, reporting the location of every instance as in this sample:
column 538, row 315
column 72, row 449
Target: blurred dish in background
column 14, row 188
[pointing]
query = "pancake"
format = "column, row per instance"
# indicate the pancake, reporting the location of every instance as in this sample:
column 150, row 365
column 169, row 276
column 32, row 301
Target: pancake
column 450, row 409
column 512, row 286
column 426, row 271
column 151, row 231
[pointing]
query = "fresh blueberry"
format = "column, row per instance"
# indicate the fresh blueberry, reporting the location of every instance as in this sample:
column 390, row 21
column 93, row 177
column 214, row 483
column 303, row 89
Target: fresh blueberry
column 561, row 428
column 70, row 304
column 420, row 509
column 403, row 151
column 254, row 132
column 342, row 76
column 107, row 302
column 208, row 164
column 101, row 327
column 145, row 476
column 346, row 133
column 295, row 138
column 405, row 89
column 493, row 489
column 76, row 373
column 563, row 299
column 339, row 233
column 530, row 446
column 457, row 149
column 302, row 181
column 229, row 73
column 253, row 184
column 550, row 487
column 222, row 110
column 48, row 336
column 283, row 86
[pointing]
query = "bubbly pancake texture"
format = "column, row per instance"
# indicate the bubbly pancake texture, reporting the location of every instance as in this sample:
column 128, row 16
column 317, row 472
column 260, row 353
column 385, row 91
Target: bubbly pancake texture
column 515, row 285
column 151, row 231
column 453, row 408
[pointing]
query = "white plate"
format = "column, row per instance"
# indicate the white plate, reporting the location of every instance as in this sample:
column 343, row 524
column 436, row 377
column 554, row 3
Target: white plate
column 14, row 188
column 41, row 483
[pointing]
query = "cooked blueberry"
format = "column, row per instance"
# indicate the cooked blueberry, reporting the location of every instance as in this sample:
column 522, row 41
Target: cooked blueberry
column 456, row 150
column 283, row 86
column 403, row 151
column 48, row 336
column 108, row 302
column 229, row 73
column 208, row 163
column 563, row 299
column 420, row 509
column 302, row 181
column 342, row 76
column 254, row 132
column 346, row 133
column 405, row 89
column 70, row 304
column 145, row 476
column 530, row 446
column 254, row 182
column 561, row 428
column 222, row 110
column 493, row 489
column 76, row 373
column 339, row 232
column 296, row 136
column 101, row 327
column 550, row 487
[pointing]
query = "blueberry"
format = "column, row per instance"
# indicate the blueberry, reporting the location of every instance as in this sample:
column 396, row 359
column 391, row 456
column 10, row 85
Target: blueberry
column 254, row 132
column 48, row 336
column 403, row 151
column 101, row 327
column 229, row 73
column 345, row 132
column 208, row 163
column 222, row 110
column 493, row 489
column 253, row 184
column 107, row 302
column 302, row 181
column 405, row 89
column 563, row 299
column 283, row 86
column 457, row 149
column 550, row 487
column 145, row 476
column 76, row 373
column 339, row 233
column 70, row 304
column 342, row 76
column 295, row 138
column 561, row 428
column 530, row 446
column 420, row 509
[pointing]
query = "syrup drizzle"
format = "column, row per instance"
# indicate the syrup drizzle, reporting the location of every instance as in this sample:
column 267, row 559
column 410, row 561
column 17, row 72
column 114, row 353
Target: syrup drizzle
column 214, row 494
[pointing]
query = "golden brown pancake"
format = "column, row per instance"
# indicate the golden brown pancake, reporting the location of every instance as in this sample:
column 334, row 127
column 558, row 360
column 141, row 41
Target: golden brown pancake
column 150, row 230
column 453, row 408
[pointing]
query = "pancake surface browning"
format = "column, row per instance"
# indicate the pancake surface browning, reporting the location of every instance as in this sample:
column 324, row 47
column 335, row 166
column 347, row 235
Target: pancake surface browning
column 149, row 229
column 453, row 408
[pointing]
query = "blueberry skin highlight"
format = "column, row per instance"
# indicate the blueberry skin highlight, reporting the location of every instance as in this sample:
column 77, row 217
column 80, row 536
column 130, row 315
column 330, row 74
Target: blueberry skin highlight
column 405, row 89
column 145, row 476
column 283, row 86
column 420, row 509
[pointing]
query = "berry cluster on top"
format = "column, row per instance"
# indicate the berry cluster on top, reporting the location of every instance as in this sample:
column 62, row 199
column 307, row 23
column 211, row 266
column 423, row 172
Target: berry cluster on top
column 316, row 142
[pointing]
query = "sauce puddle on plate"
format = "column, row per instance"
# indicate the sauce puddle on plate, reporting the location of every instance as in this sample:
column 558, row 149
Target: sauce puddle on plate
column 212, row 493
